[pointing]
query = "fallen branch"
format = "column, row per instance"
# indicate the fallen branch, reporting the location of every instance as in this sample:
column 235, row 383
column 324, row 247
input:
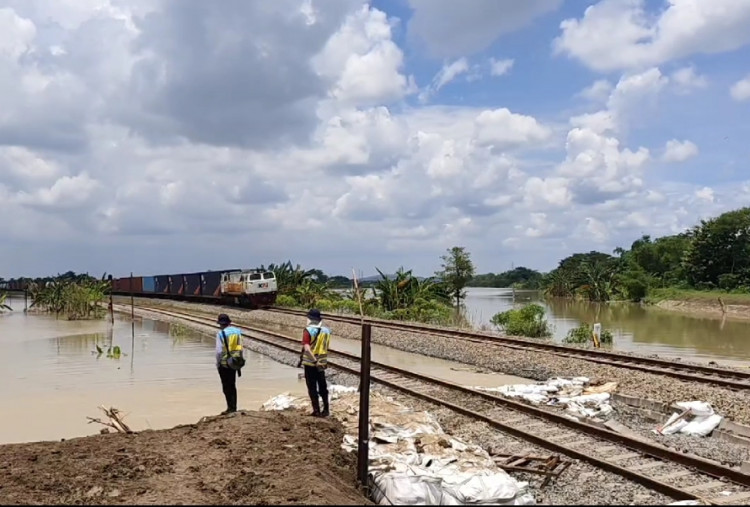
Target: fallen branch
column 116, row 420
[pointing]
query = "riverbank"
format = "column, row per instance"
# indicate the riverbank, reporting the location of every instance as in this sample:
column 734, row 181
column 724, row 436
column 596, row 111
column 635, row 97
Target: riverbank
column 702, row 303
column 248, row 458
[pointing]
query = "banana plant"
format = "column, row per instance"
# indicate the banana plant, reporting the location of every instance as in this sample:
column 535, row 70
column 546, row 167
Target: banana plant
column 3, row 306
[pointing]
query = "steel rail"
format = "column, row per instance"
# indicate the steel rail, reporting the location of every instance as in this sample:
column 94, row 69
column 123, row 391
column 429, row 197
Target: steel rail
column 643, row 447
column 732, row 379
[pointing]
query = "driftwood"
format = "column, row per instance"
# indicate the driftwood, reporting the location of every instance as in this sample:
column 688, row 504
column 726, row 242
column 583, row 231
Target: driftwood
column 116, row 420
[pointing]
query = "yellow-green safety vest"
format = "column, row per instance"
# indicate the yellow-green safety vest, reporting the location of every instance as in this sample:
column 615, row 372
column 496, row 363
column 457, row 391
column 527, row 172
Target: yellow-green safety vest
column 320, row 338
column 233, row 339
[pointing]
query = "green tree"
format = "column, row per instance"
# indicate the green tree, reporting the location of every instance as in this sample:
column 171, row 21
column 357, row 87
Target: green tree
column 720, row 246
column 457, row 271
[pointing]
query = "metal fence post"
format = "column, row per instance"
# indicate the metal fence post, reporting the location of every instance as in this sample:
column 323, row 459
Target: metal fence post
column 363, row 447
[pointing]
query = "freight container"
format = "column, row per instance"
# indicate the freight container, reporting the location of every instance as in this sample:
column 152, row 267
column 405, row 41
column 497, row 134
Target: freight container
column 149, row 284
column 211, row 284
column 193, row 284
column 123, row 284
column 134, row 285
column 176, row 284
column 162, row 284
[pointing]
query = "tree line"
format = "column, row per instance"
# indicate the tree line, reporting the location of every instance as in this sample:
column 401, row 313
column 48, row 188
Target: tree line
column 712, row 255
column 398, row 296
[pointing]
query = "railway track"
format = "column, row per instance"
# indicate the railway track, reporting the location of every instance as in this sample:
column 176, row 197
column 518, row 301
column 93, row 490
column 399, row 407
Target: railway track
column 731, row 379
column 680, row 476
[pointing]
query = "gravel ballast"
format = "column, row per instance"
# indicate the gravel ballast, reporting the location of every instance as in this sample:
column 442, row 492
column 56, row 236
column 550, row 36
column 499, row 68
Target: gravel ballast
column 537, row 365
column 580, row 484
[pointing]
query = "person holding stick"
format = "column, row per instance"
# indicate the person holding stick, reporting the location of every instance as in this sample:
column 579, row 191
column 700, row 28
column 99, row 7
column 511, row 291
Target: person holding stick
column 314, row 357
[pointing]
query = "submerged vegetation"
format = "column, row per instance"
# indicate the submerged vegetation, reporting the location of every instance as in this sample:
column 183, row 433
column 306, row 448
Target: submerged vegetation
column 527, row 321
column 584, row 334
column 3, row 306
column 76, row 297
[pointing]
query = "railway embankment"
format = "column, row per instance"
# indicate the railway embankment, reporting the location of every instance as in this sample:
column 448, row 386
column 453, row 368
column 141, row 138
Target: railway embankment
column 580, row 484
column 532, row 364
column 270, row 458
column 702, row 303
column 566, row 489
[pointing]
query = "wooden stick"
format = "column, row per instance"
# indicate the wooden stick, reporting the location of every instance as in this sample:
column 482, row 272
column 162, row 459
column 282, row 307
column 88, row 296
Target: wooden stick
column 359, row 296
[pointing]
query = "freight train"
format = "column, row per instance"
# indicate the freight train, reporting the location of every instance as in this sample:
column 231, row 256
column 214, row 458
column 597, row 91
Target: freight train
column 252, row 288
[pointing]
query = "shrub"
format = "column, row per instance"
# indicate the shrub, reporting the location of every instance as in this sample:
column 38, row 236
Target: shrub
column 729, row 281
column 427, row 311
column 285, row 300
column 347, row 306
column 527, row 321
column 584, row 333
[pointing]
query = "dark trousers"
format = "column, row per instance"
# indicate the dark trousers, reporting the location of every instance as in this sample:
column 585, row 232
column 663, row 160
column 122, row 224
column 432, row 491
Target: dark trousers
column 316, row 386
column 229, row 386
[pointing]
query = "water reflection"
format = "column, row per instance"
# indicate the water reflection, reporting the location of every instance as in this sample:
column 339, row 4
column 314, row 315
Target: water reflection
column 52, row 375
column 636, row 328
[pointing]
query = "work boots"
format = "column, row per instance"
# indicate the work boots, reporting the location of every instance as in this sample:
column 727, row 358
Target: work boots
column 316, row 407
column 325, row 412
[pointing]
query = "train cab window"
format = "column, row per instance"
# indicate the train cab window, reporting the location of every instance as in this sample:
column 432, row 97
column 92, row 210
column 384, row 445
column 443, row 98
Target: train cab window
column 255, row 276
column 268, row 275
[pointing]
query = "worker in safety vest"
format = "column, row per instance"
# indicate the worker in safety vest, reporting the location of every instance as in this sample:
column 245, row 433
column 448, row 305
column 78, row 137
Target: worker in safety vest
column 315, row 340
column 229, row 359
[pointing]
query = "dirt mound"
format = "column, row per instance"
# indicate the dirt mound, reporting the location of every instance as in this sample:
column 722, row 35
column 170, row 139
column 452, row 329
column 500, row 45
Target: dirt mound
column 248, row 458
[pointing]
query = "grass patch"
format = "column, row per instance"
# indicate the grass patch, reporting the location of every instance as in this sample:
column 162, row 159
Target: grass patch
column 701, row 296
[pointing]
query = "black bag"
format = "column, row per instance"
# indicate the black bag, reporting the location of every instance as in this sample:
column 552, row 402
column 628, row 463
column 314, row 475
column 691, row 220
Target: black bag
column 235, row 360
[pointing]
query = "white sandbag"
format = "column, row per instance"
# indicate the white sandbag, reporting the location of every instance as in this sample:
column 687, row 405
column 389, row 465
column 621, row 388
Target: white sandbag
column 697, row 408
column 702, row 426
column 700, row 421
column 560, row 391
column 395, row 488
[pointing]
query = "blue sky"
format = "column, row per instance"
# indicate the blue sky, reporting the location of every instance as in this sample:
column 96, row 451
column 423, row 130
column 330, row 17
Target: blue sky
column 177, row 136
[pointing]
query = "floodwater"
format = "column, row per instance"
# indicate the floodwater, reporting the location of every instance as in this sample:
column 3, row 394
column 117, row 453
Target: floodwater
column 645, row 330
column 425, row 365
column 52, row 377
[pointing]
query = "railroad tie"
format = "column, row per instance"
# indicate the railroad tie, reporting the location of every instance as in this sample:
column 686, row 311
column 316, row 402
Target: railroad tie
column 707, row 485
column 513, row 422
column 646, row 466
column 622, row 457
column 674, row 475
column 605, row 449
column 731, row 499
column 577, row 443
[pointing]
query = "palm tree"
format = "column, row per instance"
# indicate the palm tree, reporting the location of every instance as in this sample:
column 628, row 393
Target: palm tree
column 558, row 284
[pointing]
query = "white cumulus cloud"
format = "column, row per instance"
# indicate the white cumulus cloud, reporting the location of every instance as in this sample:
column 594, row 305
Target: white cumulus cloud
column 679, row 151
column 740, row 90
column 623, row 34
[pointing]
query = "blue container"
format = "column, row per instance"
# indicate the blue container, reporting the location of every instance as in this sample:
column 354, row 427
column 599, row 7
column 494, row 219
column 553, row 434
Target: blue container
column 193, row 284
column 149, row 284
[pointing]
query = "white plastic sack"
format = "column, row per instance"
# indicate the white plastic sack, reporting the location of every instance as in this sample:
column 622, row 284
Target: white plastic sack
column 701, row 420
column 559, row 391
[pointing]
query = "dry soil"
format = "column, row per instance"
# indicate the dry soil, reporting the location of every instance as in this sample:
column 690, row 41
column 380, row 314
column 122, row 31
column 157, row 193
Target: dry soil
column 246, row 458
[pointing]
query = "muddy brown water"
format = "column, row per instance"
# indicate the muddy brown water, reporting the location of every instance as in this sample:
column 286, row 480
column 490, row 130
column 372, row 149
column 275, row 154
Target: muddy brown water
column 645, row 330
column 51, row 377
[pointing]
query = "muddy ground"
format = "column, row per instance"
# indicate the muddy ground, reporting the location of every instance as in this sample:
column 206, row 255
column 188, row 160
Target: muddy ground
column 247, row 458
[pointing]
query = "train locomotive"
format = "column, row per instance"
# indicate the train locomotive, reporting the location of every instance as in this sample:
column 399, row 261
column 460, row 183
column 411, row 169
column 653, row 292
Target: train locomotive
column 250, row 288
